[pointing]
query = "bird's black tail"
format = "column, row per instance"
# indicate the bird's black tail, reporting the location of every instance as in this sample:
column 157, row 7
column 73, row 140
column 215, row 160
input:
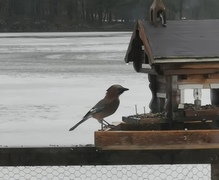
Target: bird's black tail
column 76, row 125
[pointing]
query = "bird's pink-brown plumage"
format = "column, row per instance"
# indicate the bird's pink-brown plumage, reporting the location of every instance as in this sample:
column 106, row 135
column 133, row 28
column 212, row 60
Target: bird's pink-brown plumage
column 105, row 107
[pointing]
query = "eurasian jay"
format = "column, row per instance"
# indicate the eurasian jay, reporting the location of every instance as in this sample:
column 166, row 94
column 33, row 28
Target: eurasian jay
column 105, row 107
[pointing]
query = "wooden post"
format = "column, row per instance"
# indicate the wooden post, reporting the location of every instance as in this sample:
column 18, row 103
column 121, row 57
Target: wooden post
column 153, row 87
column 137, row 52
column 173, row 96
column 215, row 101
column 158, row 89
column 215, row 170
column 214, row 97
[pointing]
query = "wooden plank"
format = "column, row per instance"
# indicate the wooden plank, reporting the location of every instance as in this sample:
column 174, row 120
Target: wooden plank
column 215, row 169
column 79, row 156
column 202, row 112
column 146, row 43
column 206, row 82
column 201, row 65
column 173, row 96
column 184, row 60
column 201, row 76
column 157, row 140
column 148, row 71
column 181, row 123
column 143, row 119
column 190, row 71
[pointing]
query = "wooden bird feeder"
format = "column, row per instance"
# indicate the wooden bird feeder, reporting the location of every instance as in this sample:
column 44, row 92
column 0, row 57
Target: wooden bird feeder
column 177, row 55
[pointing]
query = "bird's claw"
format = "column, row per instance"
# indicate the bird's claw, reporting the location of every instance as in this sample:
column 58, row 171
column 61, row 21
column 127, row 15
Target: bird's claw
column 108, row 126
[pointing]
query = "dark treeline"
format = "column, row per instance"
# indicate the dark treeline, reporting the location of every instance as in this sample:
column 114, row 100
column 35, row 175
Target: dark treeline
column 79, row 15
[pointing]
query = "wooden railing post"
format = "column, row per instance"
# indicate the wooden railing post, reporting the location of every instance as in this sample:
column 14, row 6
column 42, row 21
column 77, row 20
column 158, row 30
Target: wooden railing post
column 215, row 170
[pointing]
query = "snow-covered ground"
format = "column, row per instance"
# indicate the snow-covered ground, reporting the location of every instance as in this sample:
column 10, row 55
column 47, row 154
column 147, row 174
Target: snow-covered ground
column 48, row 81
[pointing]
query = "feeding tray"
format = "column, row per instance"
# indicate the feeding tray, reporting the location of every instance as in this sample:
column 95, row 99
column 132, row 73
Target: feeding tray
column 186, row 113
column 157, row 140
column 155, row 131
column 158, row 136
column 207, row 110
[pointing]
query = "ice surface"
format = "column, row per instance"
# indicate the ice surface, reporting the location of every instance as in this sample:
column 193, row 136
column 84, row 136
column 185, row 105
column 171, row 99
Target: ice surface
column 48, row 81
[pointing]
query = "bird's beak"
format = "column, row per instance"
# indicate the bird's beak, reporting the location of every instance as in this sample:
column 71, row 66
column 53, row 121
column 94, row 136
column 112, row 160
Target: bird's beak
column 123, row 90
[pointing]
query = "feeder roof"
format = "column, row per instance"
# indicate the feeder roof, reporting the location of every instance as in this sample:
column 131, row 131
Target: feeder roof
column 181, row 40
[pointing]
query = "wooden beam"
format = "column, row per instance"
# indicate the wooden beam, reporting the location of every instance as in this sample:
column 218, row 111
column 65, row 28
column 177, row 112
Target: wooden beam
column 152, row 124
column 190, row 71
column 202, row 112
column 146, row 43
column 204, row 79
column 157, row 140
column 203, row 65
column 215, row 169
column 173, row 96
column 148, row 71
column 79, row 156
column 191, row 61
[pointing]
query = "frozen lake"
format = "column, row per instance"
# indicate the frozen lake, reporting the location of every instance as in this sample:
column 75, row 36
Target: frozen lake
column 48, row 81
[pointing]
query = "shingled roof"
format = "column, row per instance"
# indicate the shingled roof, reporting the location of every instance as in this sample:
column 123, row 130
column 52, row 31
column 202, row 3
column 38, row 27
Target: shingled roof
column 180, row 41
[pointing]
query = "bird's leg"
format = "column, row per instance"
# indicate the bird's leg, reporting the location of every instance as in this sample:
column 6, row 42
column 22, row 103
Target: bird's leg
column 106, row 124
column 101, row 122
column 102, row 125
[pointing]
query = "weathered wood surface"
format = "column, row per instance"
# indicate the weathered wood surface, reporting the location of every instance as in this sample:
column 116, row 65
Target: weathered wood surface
column 215, row 169
column 207, row 65
column 144, row 120
column 157, row 140
column 79, row 156
column 158, row 123
column 186, row 60
column 191, row 71
column 145, row 42
column 173, row 96
column 202, row 112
